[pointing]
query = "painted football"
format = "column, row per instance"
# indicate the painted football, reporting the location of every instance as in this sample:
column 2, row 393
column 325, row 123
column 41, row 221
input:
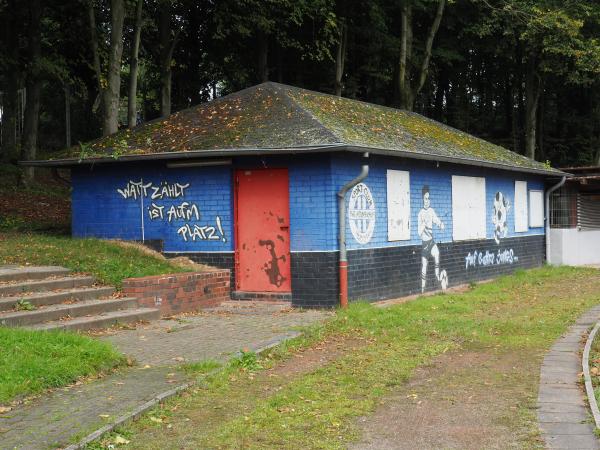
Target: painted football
column 443, row 280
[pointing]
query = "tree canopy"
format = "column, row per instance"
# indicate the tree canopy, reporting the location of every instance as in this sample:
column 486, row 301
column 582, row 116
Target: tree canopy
column 524, row 74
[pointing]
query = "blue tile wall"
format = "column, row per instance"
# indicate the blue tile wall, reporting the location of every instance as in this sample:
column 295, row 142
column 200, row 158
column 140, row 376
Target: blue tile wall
column 439, row 180
column 99, row 210
column 313, row 208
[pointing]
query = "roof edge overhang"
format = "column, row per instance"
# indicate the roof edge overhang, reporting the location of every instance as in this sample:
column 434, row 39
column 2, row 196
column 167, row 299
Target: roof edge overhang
column 229, row 152
column 455, row 160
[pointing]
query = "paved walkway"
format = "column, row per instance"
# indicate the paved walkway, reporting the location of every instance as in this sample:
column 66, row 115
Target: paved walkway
column 56, row 419
column 563, row 416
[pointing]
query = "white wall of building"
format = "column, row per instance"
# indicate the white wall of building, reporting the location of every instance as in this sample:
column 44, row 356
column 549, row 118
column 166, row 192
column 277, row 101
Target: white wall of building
column 573, row 247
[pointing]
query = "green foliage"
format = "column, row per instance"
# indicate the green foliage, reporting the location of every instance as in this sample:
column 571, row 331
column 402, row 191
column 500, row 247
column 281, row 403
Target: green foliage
column 475, row 79
column 246, row 360
column 84, row 151
column 24, row 305
column 201, row 367
column 12, row 223
column 32, row 361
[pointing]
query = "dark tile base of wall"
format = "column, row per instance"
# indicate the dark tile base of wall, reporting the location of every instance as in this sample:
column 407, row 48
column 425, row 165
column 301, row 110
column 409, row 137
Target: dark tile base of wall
column 382, row 273
column 377, row 274
column 315, row 279
column 219, row 260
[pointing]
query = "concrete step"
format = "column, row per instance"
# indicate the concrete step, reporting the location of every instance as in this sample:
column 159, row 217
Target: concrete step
column 45, row 285
column 20, row 273
column 56, row 312
column 102, row 320
column 53, row 298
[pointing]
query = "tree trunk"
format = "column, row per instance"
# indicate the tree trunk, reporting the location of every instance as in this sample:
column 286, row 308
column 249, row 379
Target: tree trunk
column 403, row 75
column 167, row 46
column 532, row 94
column 519, row 116
column 541, row 155
column 95, row 55
column 340, row 58
column 67, row 116
column 428, row 46
column 30, row 128
column 11, row 89
column 33, row 86
column 508, row 104
column 263, row 57
column 440, row 95
column 133, row 67
column 113, row 86
column 407, row 93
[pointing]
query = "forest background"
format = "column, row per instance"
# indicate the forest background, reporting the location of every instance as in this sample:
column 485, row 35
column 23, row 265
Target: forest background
column 523, row 74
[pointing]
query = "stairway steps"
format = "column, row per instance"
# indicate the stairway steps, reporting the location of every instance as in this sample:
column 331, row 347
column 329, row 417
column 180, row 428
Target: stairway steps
column 21, row 273
column 52, row 298
column 57, row 312
column 100, row 321
column 59, row 300
column 45, row 285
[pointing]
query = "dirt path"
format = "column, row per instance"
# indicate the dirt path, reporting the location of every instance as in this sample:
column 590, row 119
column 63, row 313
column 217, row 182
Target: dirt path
column 469, row 400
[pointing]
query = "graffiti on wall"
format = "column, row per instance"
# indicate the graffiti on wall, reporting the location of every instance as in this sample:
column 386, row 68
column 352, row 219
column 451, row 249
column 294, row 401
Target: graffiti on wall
column 427, row 218
column 361, row 213
column 187, row 212
column 487, row 258
column 500, row 216
column 136, row 189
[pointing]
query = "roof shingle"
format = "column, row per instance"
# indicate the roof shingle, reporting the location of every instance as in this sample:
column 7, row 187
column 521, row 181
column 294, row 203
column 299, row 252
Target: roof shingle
column 273, row 116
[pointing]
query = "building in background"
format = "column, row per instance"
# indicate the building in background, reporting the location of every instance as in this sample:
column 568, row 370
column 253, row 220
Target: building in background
column 575, row 219
column 249, row 182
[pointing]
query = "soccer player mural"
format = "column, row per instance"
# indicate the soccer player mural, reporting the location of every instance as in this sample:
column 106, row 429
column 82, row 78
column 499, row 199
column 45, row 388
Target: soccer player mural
column 426, row 220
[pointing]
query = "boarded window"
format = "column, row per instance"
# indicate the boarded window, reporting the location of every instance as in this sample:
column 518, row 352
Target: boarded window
column 521, row 206
column 398, row 205
column 536, row 209
column 468, row 208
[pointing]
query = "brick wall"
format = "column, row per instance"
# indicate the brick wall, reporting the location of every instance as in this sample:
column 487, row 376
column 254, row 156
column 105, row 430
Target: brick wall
column 182, row 292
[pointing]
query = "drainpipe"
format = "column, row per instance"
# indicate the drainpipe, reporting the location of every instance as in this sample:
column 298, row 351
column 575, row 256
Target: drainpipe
column 342, row 231
column 548, row 193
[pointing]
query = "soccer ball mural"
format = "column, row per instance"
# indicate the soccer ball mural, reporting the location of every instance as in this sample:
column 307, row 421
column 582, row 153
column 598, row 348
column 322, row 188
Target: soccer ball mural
column 500, row 216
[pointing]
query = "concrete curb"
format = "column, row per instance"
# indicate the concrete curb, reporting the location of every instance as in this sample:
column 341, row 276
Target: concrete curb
column 589, row 389
column 137, row 412
column 563, row 415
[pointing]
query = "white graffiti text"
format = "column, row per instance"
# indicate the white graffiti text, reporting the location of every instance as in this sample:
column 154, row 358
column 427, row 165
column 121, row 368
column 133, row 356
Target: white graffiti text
column 487, row 258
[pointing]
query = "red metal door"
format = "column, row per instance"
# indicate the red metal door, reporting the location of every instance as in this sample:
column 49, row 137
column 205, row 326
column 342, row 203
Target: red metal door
column 262, row 231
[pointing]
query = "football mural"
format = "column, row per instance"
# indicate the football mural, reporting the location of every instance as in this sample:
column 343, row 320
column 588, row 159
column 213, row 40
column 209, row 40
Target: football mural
column 500, row 216
column 427, row 219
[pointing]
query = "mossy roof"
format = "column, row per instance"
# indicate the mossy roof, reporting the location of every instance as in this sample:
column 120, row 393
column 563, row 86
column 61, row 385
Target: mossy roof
column 278, row 118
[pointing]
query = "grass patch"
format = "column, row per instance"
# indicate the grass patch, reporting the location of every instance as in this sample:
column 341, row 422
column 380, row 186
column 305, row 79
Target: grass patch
column 32, row 361
column 594, row 362
column 108, row 262
column 201, row 367
column 243, row 407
